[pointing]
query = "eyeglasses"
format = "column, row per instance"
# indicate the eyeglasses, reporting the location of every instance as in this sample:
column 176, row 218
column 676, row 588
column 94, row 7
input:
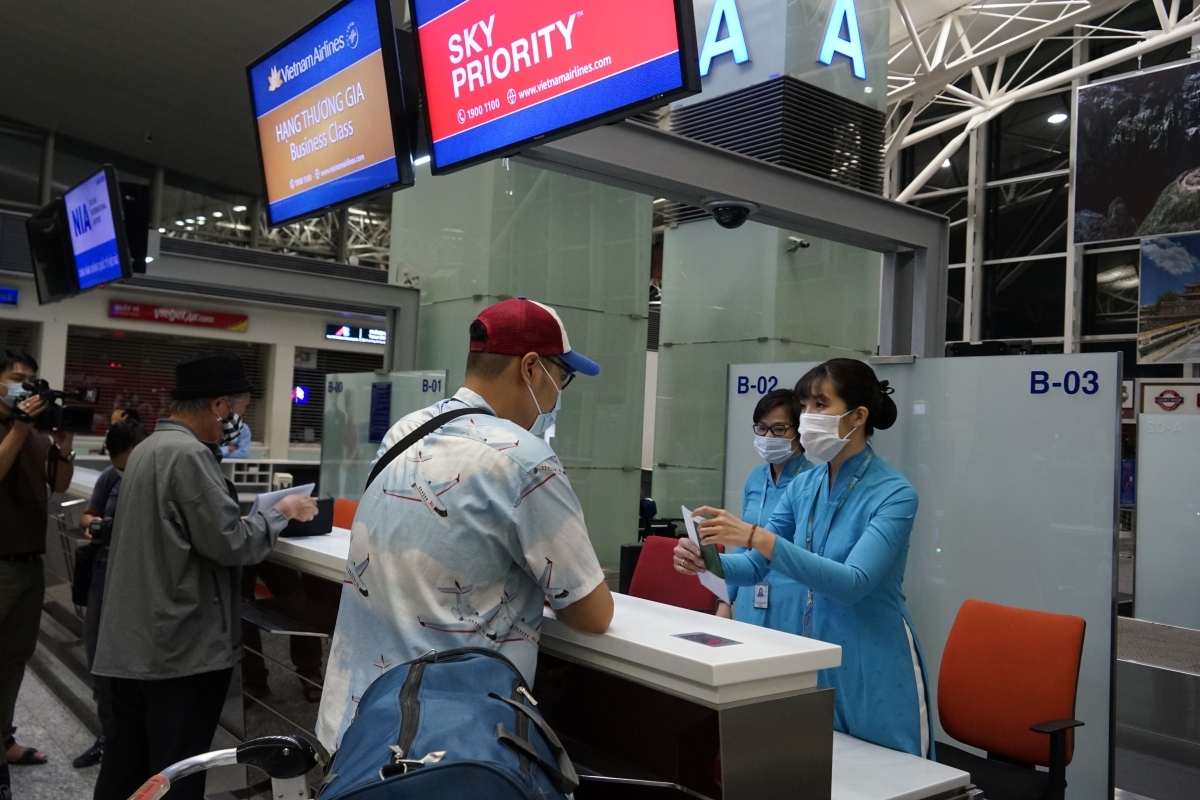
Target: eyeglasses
column 779, row 429
column 568, row 374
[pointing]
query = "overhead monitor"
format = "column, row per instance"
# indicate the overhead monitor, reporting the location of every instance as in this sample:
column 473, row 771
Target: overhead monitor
column 96, row 225
column 50, row 247
column 499, row 75
column 329, row 113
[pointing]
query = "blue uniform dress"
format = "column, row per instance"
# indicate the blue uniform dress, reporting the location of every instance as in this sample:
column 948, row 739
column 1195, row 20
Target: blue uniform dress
column 858, row 599
column 785, row 596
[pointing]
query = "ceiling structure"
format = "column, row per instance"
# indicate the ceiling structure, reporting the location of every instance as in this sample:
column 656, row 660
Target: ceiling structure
column 162, row 82
column 930, row 55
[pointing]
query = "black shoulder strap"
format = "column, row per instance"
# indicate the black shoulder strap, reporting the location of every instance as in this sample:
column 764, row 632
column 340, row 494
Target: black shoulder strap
column 109, row 482
column 420, row 433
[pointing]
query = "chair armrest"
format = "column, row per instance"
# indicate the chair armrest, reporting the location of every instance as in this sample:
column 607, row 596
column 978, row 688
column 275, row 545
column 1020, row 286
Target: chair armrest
column 1055, row 725
column 1057, row 730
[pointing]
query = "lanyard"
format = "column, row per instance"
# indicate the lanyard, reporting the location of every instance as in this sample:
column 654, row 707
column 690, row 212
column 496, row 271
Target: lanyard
column 806, row 624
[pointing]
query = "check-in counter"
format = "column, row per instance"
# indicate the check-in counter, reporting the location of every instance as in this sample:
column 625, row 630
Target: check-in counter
column 722, row 709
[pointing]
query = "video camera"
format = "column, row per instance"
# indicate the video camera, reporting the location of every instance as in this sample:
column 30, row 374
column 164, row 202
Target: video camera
column 58, row 416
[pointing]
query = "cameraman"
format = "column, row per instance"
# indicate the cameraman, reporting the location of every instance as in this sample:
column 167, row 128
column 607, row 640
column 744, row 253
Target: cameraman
column 96, row 522
column 29, row 460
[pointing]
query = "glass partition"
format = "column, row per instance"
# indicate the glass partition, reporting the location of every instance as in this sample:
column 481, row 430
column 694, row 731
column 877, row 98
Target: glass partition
column 1015, row 463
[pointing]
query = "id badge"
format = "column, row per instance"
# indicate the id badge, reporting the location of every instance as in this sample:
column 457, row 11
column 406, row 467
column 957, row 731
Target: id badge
column 762, row 594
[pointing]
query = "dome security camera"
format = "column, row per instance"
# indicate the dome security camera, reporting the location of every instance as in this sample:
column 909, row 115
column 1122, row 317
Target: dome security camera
column 730, row 214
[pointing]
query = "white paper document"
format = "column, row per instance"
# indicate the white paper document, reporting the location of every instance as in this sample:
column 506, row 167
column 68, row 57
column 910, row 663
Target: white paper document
column 268, row 499
column 707, row 579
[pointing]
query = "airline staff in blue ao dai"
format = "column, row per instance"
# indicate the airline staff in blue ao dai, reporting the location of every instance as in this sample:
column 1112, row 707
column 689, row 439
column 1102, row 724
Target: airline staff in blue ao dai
column 776, row 601
column 842, row 529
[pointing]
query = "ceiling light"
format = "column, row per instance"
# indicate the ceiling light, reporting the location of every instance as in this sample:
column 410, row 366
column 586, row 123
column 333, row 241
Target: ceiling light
column 190, row 221
column 189, row 228
column 178, row 222
column 419, row 161
column 945, row 163
column 239, row 208
column 149, row 259
column 217, row 214
column 1055, row 119
column 201, row 220
column 162, row 230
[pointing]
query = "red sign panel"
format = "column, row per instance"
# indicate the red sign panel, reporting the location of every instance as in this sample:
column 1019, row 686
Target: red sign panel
column 497, row 73
column 178, row 316
column 1169, row 400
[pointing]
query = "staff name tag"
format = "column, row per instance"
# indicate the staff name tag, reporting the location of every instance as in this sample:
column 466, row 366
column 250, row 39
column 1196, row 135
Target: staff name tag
column 762, row 594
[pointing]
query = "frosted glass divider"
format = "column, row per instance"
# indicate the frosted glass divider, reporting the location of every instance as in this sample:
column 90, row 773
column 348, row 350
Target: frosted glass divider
column 1015, row 461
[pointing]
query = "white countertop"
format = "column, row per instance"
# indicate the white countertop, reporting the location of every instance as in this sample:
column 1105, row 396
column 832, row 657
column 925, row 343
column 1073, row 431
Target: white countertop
column 323, row 556
column 642, row 644
column 865, row 771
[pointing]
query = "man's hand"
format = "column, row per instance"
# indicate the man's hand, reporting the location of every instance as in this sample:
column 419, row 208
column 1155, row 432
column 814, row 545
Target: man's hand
column 64, row 439
column 32, row 407
column 85, row 519
column 297, row 506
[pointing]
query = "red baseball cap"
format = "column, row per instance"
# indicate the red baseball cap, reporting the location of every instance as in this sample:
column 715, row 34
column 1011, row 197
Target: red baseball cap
column 519, row 326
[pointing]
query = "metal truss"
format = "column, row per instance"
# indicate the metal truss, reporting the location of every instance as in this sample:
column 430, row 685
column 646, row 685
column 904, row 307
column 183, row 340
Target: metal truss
column 367, row 237
column 947, row 60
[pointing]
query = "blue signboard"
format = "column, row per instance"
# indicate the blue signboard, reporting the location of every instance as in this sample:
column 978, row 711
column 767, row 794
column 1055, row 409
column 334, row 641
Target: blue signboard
column 325, row 106
column 91, row 218
column 8, row 296
column 1128, row 481
column 381, row 411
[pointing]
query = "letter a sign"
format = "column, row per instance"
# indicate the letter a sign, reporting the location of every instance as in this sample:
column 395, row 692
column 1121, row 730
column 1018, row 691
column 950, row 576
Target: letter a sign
column 851, row 47
column 735, row 42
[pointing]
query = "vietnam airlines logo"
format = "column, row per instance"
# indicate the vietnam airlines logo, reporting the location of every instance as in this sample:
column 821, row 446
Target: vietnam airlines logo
column 275, row 79
column 352, row 35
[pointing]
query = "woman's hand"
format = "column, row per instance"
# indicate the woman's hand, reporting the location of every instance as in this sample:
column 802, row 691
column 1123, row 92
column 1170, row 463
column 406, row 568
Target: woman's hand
column 727, row 529
column 687, row 558
column 722, row 528
column 724, row 609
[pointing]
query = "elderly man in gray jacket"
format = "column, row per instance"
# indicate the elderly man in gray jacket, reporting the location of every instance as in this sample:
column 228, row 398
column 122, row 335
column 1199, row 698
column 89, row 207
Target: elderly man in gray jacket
column 170, row 629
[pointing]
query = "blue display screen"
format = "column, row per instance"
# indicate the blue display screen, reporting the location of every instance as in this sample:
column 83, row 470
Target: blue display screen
column 90, row 221
column 9, row 296
column 324, row 115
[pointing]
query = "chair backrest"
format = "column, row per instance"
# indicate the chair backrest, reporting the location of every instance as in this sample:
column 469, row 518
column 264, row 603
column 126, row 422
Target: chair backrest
column 655, row 578
column 1005, row 669
column 343, row 512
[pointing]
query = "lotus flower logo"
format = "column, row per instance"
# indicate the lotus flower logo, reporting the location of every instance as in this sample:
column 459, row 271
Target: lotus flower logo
column 352, row 35
column 275, row 79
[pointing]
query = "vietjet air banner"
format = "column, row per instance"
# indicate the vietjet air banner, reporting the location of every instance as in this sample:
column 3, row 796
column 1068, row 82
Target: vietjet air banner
column 324, row 120
column 498, row 72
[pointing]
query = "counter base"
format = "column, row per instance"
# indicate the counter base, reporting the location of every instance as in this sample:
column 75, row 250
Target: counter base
column 780, row 746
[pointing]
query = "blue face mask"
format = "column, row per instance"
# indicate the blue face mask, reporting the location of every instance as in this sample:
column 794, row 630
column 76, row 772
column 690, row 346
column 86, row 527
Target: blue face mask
column 16, row 393
column 544, row 419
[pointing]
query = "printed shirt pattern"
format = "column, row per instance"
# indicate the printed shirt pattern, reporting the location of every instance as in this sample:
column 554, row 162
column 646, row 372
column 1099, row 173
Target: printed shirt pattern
column 457, row 543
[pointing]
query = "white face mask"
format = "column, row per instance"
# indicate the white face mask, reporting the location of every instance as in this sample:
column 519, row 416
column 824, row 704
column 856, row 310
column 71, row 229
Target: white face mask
column 15, row 393
column 544, row 419
column 819, row 436
column 774, row 450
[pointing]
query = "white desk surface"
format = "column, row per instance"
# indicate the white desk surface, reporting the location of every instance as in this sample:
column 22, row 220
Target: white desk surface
column 83, row 482
column 641, row 644
column 323, row 556
column 865, row 771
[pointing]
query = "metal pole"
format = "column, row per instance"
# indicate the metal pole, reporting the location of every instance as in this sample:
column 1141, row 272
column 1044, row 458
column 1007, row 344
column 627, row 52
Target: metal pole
column 46, row 184
column 156, row 197
column 343, row 235
column 256, row 212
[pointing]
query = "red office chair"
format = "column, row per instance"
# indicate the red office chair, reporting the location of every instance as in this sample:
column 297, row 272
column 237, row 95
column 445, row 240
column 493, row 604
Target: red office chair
column 655, row 578
column 343, row 512
column 1007, row 686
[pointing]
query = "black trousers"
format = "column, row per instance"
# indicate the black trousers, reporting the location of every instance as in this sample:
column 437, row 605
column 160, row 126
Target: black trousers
column 155, row 724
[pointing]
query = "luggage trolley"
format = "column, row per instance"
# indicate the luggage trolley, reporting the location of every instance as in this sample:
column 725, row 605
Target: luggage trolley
column 286, row 759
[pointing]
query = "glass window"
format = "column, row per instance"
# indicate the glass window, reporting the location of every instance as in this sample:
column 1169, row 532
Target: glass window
column 1031, row 138
column 1129, row 366
column 213, row 217
column 1024, row 299
column 1046, row 58
column 20, row 167
column 955, row 292
column 1110, row 293
column 1026, row 219
column 1137, row 17
column 952, row 172
column 953, row 206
